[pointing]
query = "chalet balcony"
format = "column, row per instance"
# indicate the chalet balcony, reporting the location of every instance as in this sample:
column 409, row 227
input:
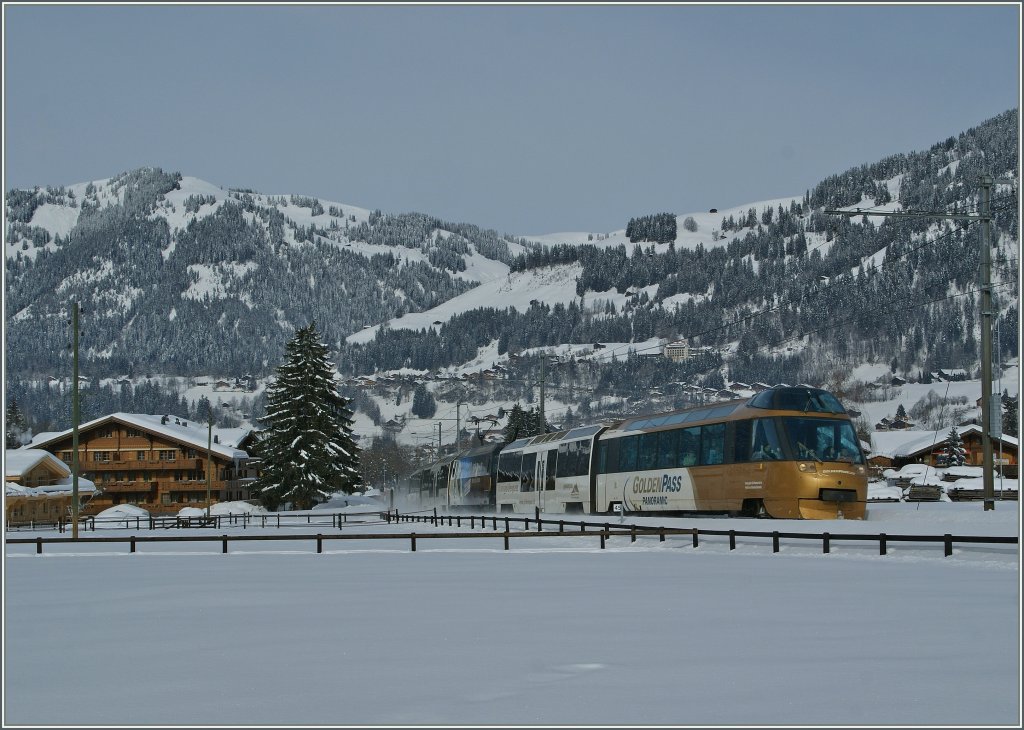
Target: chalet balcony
column 117, row 487
column 191, row 486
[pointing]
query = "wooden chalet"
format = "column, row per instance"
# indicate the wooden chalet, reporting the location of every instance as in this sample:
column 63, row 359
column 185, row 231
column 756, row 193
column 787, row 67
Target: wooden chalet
column 156, row 462
column 895, row 449
column 39, row 487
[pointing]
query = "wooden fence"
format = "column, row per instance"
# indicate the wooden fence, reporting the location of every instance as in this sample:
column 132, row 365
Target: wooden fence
column 88, row 523
column 602, row 531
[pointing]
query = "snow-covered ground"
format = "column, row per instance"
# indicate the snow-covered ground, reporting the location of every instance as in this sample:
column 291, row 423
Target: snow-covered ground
column 554, row 631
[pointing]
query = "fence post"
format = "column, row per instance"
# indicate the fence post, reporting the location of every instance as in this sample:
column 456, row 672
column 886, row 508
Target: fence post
column 732, row 539
column 278, row 520
column 506, row 524
column 661, row 534
column 39, row 546
column 133, row 543
column 632, row 533
column 824, row 542
column 881, row 544
column 949, row 544
column 561, row 525
column 602, row 540
column 319, row 543
column 526, row 524
column 136, row 523
column 412, row 537
column 494, row 523
column 472, row 522
column 536, row 512
column 506, row 539
column 435, row 517
column 224, row 544
column 696, row 538
column 775, row 542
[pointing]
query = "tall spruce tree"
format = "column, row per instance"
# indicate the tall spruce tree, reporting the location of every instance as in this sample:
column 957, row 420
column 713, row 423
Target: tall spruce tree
column 306, row 448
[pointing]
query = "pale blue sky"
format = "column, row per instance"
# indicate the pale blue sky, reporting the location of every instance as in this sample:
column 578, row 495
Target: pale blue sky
column 527, row 119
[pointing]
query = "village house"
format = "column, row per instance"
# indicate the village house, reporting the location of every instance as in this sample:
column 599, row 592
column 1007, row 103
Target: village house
column 39, row 487
column 156, row 462
column 895, row 449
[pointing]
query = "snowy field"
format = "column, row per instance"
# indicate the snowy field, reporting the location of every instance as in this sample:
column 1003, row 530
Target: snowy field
column 555, row 631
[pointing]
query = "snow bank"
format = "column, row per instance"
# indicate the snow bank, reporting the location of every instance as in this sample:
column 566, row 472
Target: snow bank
column 236, row 508
column 120, row 516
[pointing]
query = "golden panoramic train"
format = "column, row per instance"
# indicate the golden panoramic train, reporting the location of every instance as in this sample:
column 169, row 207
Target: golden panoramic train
column 787, row 452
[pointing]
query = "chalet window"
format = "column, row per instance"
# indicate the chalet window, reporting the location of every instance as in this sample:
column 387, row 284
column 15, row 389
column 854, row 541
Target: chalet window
column 168, row 455
column 66, row 456
column 191, row 453
column 105, row 432
column 140, row 456
column 101, row 456
column 132, row 432
column 165, row 498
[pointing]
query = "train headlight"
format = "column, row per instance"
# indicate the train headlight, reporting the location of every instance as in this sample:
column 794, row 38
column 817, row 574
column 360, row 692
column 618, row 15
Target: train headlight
column 805, row 466
column 861, row 470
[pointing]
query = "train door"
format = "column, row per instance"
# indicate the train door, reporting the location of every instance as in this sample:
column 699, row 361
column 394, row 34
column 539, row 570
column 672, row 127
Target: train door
column 545, row 479
column 540, row 470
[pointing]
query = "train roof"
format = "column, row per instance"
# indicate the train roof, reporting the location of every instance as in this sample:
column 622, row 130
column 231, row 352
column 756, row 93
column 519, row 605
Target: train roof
column 479, row 451
column 783, row 398
column 555, row 436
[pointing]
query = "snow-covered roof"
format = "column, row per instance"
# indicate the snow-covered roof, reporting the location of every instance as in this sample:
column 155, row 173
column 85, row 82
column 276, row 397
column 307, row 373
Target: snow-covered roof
column 176, row 428
column 62, row 487
column 909, row 442
column 19, row 462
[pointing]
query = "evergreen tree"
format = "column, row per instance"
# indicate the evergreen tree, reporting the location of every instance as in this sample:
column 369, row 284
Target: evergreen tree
column 516, row 427
column 423, row 403
column 1010, row 427
column 17, row 431
column 306, row 448
column 901, row 413
column 955, row 454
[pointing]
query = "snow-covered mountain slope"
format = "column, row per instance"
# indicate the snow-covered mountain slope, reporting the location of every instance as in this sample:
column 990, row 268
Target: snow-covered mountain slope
column 180, row 276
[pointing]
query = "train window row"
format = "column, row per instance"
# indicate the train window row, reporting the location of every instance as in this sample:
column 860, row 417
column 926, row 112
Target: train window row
column 759, row 439
column 569, row 460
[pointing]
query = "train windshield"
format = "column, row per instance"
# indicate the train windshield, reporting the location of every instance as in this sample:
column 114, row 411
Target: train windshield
column 823, row 439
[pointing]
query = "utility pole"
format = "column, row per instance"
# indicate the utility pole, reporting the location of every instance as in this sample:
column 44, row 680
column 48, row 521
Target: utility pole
column 75, row 415
column 439, row 440
column 209, row 459
column 542, row 426
column 984, row 215
column 458, row 428
column 988, row 485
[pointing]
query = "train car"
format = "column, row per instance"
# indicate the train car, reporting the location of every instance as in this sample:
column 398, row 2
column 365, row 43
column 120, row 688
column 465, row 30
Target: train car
column 549, row 471
column 472, row 478
column 463, row 479
column 788, row 452
column 428, row 487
